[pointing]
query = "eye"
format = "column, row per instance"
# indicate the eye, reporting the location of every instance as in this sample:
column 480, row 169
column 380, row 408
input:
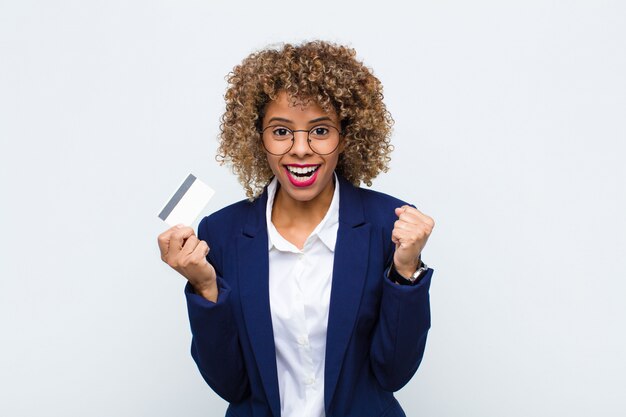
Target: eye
column 320, row 131
column 281, row 131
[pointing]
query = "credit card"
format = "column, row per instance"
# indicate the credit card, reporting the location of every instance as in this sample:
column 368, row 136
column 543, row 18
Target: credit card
column 187, row 202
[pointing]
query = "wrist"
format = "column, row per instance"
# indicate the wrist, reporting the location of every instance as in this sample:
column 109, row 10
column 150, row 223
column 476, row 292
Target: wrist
column 409, row 279
column 209, row 292
column 408, row 270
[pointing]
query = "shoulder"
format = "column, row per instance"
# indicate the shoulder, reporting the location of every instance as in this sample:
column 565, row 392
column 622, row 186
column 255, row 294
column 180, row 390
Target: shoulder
column 226, row 221
column 371, row 206
column 378, row 206
column 379, row 212
column 229, row 214
column 373, row 199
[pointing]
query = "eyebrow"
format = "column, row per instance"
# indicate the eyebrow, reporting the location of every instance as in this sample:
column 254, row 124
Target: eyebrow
column 282, row 119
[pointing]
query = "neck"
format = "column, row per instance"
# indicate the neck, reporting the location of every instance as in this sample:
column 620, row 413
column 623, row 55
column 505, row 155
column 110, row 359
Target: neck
column 287, row 212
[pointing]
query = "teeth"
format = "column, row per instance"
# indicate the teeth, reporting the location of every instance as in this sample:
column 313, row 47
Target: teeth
column 303, row 170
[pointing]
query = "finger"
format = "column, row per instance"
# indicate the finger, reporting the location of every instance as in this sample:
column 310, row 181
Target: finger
column 190, row 244
column 405, row 236
column 164, row 243
column 407, row 213
column 410, row 217
column 418, row 231
column 412, row 237
column 201, row 251
column 164, row 240
column 404, row 208
column 417, row 221
column 408, row 226
column 178, row 239
column 413, row 215
column 399, row 237
column 423, row 218
column 398, row 224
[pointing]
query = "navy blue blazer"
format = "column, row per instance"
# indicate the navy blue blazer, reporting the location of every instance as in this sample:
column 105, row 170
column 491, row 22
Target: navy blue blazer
column 376, row 329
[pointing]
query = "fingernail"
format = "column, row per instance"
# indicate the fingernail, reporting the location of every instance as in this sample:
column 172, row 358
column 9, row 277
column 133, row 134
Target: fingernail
column 180, row 225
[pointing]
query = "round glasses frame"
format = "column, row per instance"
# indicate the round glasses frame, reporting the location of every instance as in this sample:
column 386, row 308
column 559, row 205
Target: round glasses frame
column 293, row 139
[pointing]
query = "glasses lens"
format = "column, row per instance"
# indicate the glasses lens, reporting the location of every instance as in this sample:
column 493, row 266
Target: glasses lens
column 277, row 140
column 323, row 139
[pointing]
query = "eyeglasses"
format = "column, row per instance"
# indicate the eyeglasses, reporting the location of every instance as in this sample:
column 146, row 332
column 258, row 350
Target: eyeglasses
column 322, row 139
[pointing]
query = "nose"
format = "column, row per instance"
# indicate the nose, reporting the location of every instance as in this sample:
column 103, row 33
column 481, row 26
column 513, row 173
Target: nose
column 300, row 146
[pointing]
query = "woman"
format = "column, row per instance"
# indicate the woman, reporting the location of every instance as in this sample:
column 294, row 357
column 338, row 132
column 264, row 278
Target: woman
column 310, row 297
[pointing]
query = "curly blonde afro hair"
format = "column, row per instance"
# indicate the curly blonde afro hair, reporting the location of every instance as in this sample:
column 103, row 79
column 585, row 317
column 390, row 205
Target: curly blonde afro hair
column 326, row 73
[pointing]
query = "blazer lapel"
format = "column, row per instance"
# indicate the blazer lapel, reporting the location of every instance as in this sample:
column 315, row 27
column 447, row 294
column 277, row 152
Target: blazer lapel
column 253, row 267
column 349, row 273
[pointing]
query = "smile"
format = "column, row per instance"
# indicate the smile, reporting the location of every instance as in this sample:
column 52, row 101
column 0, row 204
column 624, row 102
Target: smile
column 303, row 175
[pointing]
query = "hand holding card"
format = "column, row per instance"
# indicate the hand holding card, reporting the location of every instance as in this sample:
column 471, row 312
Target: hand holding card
column 183, row 251
column 179, row 246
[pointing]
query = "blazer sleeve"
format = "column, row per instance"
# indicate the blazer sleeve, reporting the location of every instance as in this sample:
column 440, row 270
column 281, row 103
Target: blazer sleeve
column 400, row 334
column 215, row 345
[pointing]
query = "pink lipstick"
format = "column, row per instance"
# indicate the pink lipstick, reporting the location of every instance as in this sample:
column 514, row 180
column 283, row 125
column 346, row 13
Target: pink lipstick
column 302, row 175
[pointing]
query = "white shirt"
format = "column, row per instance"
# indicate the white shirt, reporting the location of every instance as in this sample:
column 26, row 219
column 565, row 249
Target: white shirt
column 299, row 286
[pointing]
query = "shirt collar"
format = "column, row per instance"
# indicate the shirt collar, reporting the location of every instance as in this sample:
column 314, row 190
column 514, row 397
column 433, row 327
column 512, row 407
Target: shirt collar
column 326, row 230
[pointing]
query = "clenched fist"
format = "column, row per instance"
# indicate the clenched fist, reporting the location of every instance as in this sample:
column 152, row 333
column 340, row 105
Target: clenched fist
column 410, row 233
column 183, row 251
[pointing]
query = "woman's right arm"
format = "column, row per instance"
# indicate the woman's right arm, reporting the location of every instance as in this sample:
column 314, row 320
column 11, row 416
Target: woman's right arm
column 215, row 345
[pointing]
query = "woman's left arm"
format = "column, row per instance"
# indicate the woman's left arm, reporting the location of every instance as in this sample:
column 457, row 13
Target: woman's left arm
column 404, row 320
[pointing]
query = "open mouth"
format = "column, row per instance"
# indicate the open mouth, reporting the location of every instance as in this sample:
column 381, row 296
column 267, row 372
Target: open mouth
column 302, row 175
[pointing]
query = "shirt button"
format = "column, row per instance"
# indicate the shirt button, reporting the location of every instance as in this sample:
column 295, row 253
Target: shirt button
column 310, row 381
column 302, row 340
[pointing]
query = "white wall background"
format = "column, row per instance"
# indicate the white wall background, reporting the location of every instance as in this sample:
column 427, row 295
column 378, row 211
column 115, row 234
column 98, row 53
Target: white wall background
column 510, row 132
